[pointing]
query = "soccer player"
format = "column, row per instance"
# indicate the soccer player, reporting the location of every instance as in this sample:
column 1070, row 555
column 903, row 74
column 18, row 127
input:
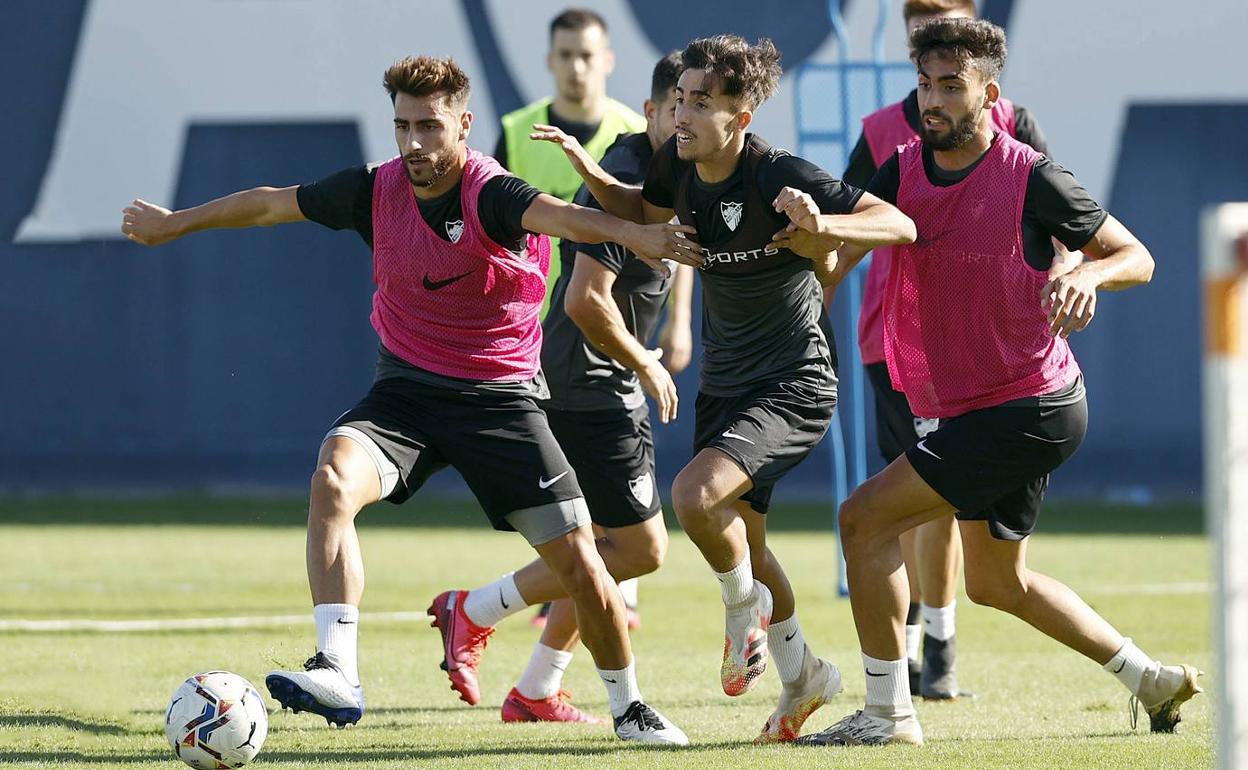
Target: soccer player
column 932, row 551
column 580, row 60
column 606, row 306
column 460, row 263
column 975, row 336
column 767, row 384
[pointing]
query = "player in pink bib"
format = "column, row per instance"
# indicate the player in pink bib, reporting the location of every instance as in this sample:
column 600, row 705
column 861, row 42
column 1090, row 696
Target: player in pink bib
column 932, row 551
column 460, row 258
column 975, row 335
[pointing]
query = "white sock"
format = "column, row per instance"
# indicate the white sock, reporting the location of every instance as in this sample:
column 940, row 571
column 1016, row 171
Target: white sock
column 544, row 674
column 628, row 589
column 1128, row 665
column 787, row 644
column 489, row 604
column 913, row 633
column 888, row 684
column 337, row 629
column 737, row 584
column 622, row 688
column 939, row 622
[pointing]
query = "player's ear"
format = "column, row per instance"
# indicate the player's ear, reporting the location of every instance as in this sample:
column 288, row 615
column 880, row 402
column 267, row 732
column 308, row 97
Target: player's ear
column 465, row 125
column 648, row 109
column 610, row 62
column 744, row 118
column 992, row 94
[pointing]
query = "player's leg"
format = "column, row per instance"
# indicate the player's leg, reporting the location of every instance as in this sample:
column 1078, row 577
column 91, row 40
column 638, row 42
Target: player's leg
column 939, row 563
column 353, row 470
column 872, row 520
column 538, row 695
column 896, row 431
column 997, row 576
column 807, row 681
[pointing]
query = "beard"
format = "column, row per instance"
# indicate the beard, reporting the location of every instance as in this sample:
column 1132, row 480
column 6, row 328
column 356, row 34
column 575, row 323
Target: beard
column 438, row 168
column 960, row 132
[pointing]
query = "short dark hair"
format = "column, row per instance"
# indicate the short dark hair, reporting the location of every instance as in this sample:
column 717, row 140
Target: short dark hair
column 576, row 19
column 750, row 73
column 967, row 41
column 665, row 76
column 912, row 8
column 425, row 76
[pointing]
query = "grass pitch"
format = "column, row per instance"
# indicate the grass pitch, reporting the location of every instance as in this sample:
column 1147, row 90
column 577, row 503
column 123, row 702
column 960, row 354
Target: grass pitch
column 84, row 699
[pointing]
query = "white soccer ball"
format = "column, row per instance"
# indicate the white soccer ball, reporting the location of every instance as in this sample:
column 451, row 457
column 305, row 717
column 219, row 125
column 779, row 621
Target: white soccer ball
column 216, row 720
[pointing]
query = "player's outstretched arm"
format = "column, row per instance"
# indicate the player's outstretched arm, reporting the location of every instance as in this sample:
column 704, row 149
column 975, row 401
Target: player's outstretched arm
column 152, row 225
column 592, row 308
column 615, row 197
column 652, row 243
column 1116, row 260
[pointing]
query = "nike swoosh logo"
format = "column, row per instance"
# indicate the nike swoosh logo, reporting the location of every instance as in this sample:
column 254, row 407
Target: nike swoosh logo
column 922, row 447
column 1121, row 667
column 546, row 484
column 1047, row 440
column 435, row 285
column 730, row 434
column 346, row 622
column 789, row 638
column 503, row 600
column 872, row 673
column 612, row 681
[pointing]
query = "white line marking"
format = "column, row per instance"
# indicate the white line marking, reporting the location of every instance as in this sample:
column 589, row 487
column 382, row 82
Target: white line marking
column 187, row 624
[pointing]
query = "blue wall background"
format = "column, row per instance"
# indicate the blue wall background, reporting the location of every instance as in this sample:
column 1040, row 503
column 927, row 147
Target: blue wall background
column 219, row 360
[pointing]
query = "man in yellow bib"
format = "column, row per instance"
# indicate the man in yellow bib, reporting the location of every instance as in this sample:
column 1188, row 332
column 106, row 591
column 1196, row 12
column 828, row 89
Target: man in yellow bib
column 580, row 59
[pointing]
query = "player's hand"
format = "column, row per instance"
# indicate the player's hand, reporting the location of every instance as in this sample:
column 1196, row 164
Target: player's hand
column 579, row 158
column 676, row 340
column 147, row 223
column 1070, row 301
column 658, row 383
column 805, row 243
column 659, row 242
column 799, row 207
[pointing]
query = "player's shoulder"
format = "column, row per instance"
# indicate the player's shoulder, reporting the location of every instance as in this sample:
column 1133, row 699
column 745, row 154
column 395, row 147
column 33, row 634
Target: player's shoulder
column 628, row 157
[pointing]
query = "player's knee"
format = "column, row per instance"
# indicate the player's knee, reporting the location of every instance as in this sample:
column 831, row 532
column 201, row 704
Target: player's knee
column 332, row 492
column 854, row 518
column 648, row 557
column 692, row 501
column 999, row 594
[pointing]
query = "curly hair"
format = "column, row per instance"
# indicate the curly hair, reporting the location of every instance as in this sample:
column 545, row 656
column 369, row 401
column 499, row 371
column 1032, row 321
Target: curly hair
column 424, row 76
column 749, row 73
column 912, row 8
column 978, row 43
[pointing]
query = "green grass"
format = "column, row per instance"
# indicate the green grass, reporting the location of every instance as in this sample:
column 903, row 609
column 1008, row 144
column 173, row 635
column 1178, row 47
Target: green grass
column 97, row 700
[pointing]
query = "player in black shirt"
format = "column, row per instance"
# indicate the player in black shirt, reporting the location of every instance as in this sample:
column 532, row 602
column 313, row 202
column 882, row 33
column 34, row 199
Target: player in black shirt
column 605, row 308
column 767, row 387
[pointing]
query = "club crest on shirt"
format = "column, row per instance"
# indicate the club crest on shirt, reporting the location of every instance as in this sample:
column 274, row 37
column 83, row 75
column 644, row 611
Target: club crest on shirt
column 923, row 426
column 731, row 213
column 454, row 230
column 642, row 488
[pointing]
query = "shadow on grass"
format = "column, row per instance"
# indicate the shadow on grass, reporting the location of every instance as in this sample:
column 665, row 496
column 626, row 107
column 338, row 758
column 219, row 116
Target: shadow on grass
column 1057, row 517
column 32, row 719
column 346, row 756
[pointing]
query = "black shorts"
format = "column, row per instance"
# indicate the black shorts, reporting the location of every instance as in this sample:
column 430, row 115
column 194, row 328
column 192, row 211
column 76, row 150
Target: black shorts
column 896, row 427
column 612, row 452
column 993, row 464
column 766, row 431
column 500, row 443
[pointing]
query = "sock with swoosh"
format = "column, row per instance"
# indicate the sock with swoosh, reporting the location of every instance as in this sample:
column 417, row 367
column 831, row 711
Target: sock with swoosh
column 622, row 688
column 888, row 685
column 489, row 604
column 1128, row 665
column 787, row 644
column 337, row 629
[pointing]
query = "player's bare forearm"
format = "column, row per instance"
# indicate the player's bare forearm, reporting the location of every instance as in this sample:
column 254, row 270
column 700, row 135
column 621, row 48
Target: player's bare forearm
column 676, row 339
column 621, row 200
column 598, row 317
column 653, row 243
column 1116, row 258
column 152, row 225
column 825, row 269
column 847, row 258
column 872, row 223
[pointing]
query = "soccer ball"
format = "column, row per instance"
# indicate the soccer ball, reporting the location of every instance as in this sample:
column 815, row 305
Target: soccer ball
column 216, row 720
